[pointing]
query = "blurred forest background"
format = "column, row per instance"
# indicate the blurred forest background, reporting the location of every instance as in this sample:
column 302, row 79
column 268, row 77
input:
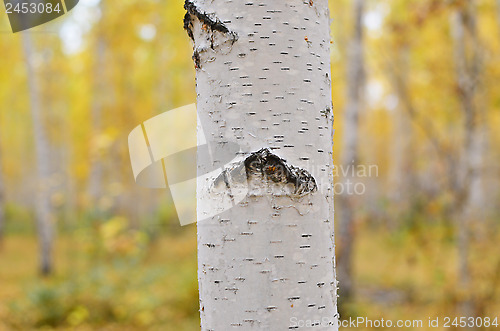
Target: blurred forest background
column 416, row 94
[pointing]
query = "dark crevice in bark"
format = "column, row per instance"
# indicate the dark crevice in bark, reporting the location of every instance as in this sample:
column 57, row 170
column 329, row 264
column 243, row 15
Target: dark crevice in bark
column 327, row 113
column 197, row 59
column 208, row 20
column 267, row 169
column 270, row 167
column 210, row 24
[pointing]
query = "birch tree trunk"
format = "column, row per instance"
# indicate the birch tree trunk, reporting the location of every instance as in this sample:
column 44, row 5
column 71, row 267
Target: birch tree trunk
column 469, row 201
column 402, row 172
column 2, row 200
column 42, row 199
column 355, row 91
column 263, row 82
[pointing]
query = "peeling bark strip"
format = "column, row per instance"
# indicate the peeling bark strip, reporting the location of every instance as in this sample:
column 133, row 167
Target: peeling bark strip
column 268, row 259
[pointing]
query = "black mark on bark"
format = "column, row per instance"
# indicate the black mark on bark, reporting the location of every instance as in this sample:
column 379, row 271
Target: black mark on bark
column 208, row 21
column 197, row 59
column 270, row 167
column 210, row 24
column 263, row 168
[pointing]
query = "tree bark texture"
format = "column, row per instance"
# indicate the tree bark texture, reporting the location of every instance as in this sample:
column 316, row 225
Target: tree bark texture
column 263, row 83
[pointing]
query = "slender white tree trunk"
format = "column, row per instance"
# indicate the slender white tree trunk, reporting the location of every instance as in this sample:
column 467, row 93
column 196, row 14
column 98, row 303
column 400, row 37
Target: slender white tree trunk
column 467, row 63
column 402, row 173
column 355, row 93
column 263, row 82
column 42, row 199
column 2, row 200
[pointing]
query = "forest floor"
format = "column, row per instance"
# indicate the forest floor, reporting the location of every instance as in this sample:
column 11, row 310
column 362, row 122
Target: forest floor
column 113, row 285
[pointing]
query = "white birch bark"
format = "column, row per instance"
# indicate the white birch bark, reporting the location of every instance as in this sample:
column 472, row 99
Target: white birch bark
column 42, row 149
column 355, row 95
column 263, row 81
